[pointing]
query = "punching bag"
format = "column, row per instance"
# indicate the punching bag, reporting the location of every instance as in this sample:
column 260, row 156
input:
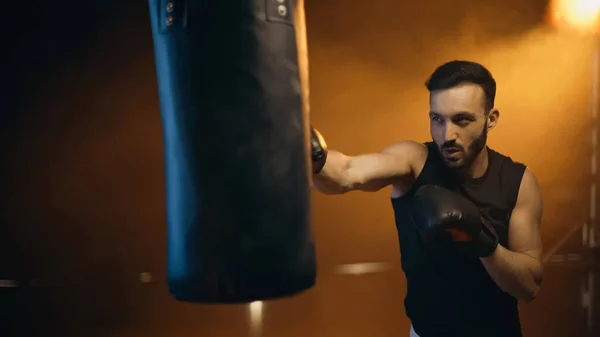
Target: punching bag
column 236, row 150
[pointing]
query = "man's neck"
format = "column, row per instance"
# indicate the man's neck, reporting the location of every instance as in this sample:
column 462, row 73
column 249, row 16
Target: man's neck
column 479, row 165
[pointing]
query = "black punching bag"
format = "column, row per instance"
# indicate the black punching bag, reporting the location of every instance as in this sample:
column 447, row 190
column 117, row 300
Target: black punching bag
column 236, row 150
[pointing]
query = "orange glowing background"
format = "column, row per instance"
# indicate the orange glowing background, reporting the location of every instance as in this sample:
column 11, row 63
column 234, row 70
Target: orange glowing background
column 84, row 164
column 581, row 15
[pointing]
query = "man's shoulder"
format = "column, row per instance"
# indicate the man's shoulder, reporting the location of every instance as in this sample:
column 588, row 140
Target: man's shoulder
column 507, row 166
column 407, row 148
column 505, row 158
column 516, row 176
column 414, row 153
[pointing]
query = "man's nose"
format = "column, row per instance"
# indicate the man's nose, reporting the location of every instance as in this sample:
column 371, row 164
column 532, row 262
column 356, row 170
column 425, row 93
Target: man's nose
column 450, row 132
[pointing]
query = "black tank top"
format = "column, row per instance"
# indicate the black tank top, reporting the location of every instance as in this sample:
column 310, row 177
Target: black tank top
column 449, row 292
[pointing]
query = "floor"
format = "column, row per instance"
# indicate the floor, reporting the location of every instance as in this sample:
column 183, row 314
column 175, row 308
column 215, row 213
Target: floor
column 342, row 304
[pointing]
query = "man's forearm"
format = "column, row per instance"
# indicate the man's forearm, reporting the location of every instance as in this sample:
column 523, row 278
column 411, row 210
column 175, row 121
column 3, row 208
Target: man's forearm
column 516, row 273
column 332, row 178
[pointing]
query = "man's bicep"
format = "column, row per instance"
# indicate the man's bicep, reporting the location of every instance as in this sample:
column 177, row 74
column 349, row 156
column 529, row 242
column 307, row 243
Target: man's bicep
column 524, row 230
column 372, row 172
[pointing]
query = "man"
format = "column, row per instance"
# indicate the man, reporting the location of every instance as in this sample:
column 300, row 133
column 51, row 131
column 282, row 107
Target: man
column 468, row 217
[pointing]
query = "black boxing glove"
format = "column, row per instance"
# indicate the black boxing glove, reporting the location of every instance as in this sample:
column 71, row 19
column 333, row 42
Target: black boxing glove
column 318, row 149
column 438, row 209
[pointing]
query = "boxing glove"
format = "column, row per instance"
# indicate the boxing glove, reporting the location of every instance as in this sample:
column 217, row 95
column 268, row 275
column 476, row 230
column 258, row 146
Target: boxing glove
column 437, row 209
column 318, row 150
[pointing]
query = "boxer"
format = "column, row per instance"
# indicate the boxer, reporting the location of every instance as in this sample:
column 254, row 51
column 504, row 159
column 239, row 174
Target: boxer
column 468, row 217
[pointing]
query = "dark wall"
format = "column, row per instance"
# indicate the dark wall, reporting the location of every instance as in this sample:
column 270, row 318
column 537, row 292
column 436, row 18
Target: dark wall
column 82, row 175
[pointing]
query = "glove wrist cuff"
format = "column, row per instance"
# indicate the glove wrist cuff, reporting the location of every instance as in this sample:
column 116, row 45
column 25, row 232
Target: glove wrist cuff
column 487, row 242
column 318, row 161
column 485, row 249
column 318, row 150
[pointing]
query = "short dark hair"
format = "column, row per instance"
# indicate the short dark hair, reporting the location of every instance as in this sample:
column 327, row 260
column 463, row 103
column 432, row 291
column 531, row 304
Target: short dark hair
column 455, row 72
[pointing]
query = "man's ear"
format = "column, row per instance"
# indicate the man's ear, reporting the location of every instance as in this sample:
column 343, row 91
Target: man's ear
column 493, row 118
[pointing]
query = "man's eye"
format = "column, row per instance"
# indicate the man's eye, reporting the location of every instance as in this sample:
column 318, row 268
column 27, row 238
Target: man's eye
column 462, row 121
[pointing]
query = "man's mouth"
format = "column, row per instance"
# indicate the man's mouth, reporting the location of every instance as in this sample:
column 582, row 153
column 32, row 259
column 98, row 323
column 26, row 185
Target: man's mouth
column 451, row 152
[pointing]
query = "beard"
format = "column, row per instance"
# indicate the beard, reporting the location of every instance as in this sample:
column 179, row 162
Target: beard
column 469, row 154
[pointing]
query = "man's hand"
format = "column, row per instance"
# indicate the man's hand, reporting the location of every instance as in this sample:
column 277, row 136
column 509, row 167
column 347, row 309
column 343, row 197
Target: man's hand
column 516, row 269
column 439, row 209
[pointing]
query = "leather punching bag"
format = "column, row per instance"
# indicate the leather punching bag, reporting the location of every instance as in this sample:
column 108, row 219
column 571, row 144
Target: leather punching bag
column 236, row 150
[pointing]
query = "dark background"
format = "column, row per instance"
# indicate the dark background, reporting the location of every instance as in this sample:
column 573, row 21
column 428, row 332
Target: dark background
column 82, row 181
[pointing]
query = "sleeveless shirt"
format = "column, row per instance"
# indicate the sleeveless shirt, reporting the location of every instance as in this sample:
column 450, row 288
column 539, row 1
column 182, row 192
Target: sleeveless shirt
column 449, row 292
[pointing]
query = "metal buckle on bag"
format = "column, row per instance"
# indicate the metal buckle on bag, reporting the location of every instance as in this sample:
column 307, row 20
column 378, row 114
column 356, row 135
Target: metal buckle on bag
column 280, row 11
column 173, row 14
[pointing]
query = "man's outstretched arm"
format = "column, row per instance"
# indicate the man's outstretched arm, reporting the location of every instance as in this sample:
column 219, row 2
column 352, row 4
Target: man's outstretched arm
column 337, row 173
